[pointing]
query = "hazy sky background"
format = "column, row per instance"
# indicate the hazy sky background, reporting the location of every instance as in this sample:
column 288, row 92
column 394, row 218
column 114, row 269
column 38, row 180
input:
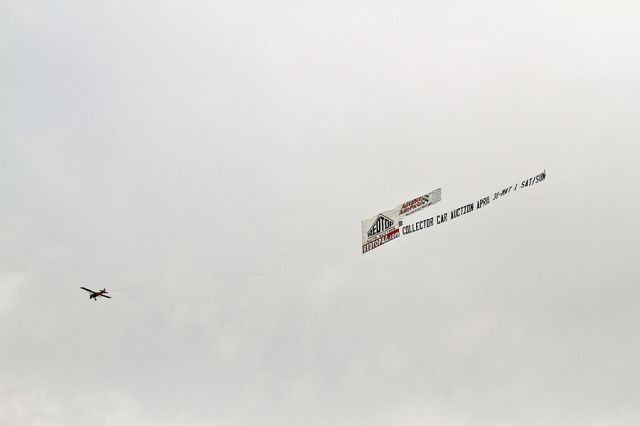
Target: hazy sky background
column 209, row 163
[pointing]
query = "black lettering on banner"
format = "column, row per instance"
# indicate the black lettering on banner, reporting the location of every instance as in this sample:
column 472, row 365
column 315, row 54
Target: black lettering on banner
column 418, row 226
column 461, row 210
column 381, row 224
column 483, row 202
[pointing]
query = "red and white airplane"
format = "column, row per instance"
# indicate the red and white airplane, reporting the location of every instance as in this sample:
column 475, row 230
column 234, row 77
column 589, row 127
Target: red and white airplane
column 95, row 294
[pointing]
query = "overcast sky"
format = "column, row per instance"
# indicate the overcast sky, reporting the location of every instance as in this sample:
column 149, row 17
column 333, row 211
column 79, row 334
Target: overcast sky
column 209, row 163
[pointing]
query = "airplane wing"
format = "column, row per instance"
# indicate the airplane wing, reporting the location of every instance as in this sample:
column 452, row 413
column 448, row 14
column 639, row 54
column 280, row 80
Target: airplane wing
column 86, row 289
column 104, row 295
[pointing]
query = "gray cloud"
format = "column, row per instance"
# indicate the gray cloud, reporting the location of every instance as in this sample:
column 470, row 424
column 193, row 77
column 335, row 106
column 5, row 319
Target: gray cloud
column 210, row 163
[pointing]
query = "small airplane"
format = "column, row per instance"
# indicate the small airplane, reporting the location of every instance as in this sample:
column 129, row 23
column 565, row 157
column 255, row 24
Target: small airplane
column 95, row 294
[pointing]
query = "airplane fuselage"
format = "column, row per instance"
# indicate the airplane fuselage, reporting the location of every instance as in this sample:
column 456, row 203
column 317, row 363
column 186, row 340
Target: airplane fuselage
column 95, row 294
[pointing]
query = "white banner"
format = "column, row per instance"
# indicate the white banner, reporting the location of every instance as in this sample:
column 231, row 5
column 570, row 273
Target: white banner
column 384, row 227
column 419, row 203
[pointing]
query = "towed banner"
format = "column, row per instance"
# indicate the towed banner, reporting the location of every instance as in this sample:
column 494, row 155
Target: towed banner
column 419, row 203
column 385, row 226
